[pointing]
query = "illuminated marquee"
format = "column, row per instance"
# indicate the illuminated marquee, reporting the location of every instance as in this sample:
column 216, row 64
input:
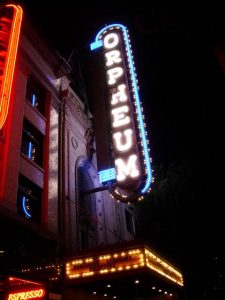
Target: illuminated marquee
column 30, row 294
column 121, row 261
column 130, row 175
column 10, row 23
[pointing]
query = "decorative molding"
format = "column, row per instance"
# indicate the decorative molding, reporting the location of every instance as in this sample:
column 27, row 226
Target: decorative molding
column 90, row 141
column 74, row 142
column 75, row 106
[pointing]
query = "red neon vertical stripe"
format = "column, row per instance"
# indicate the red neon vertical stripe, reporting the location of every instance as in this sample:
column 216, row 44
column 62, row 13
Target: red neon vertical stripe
column 6, row 86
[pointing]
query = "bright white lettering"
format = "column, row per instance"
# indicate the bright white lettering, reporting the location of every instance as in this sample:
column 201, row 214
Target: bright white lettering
column 127, row 169
column 112, row 57
column 111, row 40
column 126, row 135
column 119, row 117
column 113, row 74
column 120, row 95
column 123, row 140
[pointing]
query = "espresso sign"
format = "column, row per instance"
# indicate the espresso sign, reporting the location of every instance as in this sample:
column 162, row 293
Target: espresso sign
column 130, row 175
column 10, row 23
column 27, row 294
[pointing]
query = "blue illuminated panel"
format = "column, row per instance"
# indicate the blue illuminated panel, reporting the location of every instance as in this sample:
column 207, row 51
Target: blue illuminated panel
column 28, row 215
column 30, row 150
column 34, row 100
column 96, row 45
column 107, row 175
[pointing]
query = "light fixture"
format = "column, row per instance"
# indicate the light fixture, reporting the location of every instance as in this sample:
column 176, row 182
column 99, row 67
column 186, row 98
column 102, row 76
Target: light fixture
column 137, row 282
column 94, row 293
column 108, row 285
column 153, row 288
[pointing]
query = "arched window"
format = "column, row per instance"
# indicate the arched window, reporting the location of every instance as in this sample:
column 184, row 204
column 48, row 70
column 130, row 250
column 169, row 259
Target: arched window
column 86, row 209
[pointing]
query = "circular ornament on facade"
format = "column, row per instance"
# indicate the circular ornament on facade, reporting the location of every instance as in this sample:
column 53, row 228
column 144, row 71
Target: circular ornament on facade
column 74, row 143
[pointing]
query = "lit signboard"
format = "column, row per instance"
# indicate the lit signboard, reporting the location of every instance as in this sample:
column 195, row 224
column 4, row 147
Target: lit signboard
column 26, row 294
column 123, row 260
column 130, row 173
column 10, row 23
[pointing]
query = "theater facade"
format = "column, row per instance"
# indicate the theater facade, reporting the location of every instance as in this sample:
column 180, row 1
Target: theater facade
column 67, row 230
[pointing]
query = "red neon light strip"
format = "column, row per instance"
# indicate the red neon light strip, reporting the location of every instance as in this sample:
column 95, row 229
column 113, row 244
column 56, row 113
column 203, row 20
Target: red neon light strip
column 23, row 280
column 5, row 89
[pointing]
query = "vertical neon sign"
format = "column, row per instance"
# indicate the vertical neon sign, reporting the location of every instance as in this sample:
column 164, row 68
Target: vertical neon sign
column 130, row 155
column 10, row 24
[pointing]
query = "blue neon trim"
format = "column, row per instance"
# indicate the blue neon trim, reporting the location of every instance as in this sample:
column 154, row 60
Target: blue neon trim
column 30, row 150
column 107, row 175
column 137, row 99
column 107, row 27
column 33, row 99
column 25, row 209
column 96, row 45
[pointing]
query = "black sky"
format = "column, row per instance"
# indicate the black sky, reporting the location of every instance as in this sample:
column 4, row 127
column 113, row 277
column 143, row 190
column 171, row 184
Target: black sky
column 173, row 42
column 182, row 87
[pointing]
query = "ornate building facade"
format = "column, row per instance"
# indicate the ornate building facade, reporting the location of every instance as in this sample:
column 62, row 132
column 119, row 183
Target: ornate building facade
column 48, row 203
column 54, row 213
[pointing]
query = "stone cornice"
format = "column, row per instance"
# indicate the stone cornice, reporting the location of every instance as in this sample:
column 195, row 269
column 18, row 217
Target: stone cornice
column 74, row 105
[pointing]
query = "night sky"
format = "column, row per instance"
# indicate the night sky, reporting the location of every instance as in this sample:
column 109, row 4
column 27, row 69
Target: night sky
column 182, row 87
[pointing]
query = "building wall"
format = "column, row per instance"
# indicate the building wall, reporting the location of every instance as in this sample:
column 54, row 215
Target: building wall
column 105, row 219
column 11, row 142
column 68, row 138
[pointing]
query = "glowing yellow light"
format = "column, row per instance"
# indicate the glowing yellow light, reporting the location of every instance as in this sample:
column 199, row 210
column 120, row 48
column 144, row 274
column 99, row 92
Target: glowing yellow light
column 137, row 282
column 135, row 258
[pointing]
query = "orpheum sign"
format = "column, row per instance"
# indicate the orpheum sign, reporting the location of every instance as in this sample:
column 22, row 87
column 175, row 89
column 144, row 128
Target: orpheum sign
column 130, row 175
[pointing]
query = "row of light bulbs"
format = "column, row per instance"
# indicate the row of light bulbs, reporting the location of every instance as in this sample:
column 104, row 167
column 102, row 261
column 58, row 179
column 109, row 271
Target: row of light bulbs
column 140, row 259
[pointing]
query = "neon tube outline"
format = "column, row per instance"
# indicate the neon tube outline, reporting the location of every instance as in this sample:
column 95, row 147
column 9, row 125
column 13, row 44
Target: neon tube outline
column 25, row 209
column 137, row 100
column 6, row 87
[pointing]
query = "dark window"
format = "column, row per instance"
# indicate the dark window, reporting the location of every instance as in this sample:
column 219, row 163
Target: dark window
column 129, row 221
column 29, row 200
column 86, row 208
column 36, row 95
column 32, row 143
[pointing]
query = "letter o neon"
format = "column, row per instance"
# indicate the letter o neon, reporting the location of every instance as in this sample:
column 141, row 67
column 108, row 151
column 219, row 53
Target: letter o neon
column 111, row 40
